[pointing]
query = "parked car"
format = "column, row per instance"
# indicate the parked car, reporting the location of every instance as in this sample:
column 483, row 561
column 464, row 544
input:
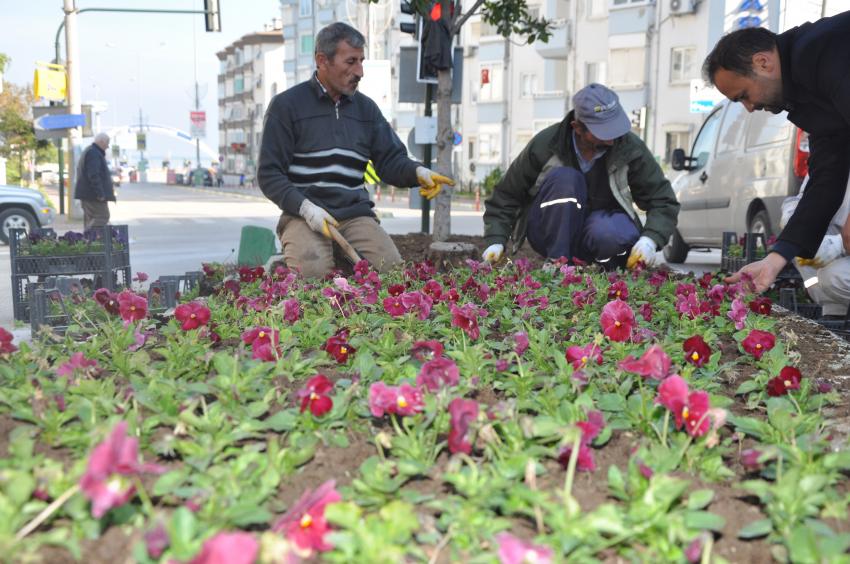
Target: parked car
column 189, row 177
column 741, row 167
column 22, row 208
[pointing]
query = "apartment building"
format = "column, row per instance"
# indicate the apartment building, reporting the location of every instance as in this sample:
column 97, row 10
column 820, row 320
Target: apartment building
column 251, row 72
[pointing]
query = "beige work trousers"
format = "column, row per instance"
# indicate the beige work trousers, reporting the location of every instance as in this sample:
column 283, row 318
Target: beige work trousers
column 312, row 253
column 95, row 213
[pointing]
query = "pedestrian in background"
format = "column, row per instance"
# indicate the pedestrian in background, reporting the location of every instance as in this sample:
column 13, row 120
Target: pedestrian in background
column 318, row 137
column 571, row 190
column 94, row 183
column 802, row 71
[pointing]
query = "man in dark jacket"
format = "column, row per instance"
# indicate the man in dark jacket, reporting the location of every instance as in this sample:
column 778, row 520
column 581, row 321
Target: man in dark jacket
column 804, row 72
column 572, row 190
column 94, row 183
column 318, row 137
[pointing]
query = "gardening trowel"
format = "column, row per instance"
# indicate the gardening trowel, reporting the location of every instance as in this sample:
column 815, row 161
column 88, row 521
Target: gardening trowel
column 350, row 252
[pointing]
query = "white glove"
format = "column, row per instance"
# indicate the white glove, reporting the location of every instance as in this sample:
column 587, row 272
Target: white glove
column 643, row 250
column 830, row 249
column 317, row 218
column 430, row 182
column 493, row 253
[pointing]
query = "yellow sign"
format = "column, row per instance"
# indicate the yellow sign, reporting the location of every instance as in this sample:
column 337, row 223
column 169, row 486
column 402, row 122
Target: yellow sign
column 50, row 82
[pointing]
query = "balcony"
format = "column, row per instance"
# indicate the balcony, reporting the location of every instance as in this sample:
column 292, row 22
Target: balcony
column 559, row 43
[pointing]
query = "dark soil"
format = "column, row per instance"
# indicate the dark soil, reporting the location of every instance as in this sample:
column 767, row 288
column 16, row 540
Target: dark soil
column 413, row 247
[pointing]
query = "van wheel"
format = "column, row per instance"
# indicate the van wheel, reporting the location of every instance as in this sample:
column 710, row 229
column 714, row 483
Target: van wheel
column 16, row 218
column 676, row 250
column 760, row 223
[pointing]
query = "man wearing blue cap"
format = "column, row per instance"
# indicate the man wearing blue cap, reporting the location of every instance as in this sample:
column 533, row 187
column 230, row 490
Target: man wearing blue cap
column 572, row 190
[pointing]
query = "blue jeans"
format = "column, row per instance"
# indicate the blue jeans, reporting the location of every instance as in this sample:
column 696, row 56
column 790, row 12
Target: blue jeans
column 560, row 226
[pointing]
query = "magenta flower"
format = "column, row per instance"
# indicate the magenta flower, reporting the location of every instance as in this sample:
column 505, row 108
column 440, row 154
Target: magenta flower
column 304, row 524
column 192, row 315
column 156, row 541
column 694, row 551
column 697, row 351
column 653, row 364
column 338, row 347
column 315, row 395
column 466, row 317
column 399, row 400
column 132, row 307
column 6, row 345
column 462, row 413
column 263, row 342
column 418, row 302
column 789, row 379
column 750, row 459
column 689, row 408
column 738, row 313
column 424, row 351
column 112, row 464
column 688, row 305
column 513, row 550
column 761, row 305
column 77, row 362
column 617, row 321
column 394, row 306
column 618, row 291
column 646, row 311
column 590, row 429
column 140, row 277
column 758, row 342
column 521, row 340
column 291, row 310
column 230, row 548
column 437, row 373
column 579, row 357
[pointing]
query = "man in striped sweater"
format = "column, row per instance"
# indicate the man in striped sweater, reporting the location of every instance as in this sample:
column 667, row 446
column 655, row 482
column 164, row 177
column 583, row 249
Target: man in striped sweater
column 318, row 137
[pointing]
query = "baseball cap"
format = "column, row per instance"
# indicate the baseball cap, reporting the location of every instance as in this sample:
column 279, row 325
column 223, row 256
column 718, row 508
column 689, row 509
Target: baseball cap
column 599, row 109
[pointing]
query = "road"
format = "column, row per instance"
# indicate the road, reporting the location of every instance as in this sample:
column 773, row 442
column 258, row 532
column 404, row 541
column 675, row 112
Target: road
column 173, row 229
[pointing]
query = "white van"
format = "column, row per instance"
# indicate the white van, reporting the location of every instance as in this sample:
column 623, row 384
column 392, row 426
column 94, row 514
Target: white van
column 742, row 165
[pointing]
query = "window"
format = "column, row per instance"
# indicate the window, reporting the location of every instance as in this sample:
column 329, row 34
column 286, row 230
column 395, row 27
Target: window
column 305, row 8
column 238, row 58
column 238, row 84
column 682, row 64
column 490, row 83
column 596, row 9
column 306, row 47
column 259, row 82
column 628, row 3
column 767, row 129
column 489, row 146
column 488, row 29
column 705, row 139
column 472, row 149
column 731, row 136
column 675, row 140
column 527, row 85
column 221, row 93
column 596, row 72
column 523, row 138
column 627, row 67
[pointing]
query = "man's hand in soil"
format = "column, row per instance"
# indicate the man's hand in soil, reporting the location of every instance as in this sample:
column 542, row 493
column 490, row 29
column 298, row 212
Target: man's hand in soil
column 643, row 250
column 430, row 182
column 317, row 218
column 762, row 272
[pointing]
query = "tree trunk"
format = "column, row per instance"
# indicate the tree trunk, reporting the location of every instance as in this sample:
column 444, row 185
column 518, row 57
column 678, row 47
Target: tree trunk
column 443, row 206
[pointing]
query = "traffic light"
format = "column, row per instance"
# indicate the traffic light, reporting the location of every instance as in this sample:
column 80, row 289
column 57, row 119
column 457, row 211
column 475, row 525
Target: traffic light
column 408, row 27
column 435, row 45
column 212, row 18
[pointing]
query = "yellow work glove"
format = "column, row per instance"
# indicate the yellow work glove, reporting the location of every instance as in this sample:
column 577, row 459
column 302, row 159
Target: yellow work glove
column 317, row 218
column 430, row 182
column 493, row 253
column 643, row 250
column 830, row 249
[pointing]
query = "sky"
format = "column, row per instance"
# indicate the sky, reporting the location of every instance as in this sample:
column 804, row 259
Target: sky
column 131, row 60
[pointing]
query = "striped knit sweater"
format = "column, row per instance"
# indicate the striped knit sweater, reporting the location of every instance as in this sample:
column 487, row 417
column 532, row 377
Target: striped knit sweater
column 315, row 148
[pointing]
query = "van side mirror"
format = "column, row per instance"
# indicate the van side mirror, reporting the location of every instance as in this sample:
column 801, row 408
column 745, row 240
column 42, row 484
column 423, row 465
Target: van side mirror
column 677, row 159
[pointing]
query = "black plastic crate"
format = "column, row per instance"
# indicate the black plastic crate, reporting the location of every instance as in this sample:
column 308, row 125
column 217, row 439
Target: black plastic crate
column 788, row 300
column 47, row 307
column 752, row 243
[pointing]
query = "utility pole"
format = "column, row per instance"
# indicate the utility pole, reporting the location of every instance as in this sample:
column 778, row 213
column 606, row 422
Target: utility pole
column 74, row 107
column 142, row 166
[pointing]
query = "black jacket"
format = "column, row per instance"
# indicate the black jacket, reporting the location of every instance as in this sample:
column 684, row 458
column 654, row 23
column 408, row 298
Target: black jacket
column 815, row 61
column 93, row 179
column 315, row 148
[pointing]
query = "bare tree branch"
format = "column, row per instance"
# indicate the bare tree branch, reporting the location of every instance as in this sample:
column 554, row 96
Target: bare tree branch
column 469, row 13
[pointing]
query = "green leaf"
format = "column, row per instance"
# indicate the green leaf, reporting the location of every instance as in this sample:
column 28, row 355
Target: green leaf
column 181, row 533
column 344, row 514
column 281, row 421
column 803, row 545
column 756, row 529
column 699, row 499
column 168, row 482
column 400, row 520
column 611, row 402
column 616, row 483
column 747, row 387
column 703, row 520
column 244, row 514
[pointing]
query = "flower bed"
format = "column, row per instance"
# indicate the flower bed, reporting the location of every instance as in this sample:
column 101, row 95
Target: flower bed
column 477, row 415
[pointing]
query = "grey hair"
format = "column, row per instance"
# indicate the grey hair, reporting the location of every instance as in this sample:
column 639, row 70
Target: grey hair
column 329, row 37
column 101, row 137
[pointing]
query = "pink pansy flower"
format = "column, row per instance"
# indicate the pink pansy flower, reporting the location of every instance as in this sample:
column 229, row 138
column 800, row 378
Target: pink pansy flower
column 645, row 311
column 112, row 464
column 521, row 340
column 338, row 347
column 590, row 429
column 418, row 302
column 738, row 313
column 466, row 317
column 689, row 408
column 697, row 351
column 617, row 321
column 694, row 551
column 132, row 307
column 437, row 373
column 685, row 289
column 192, row 315
column 462, row 413
column 750, row 459
column 291, row 310
column 156, row 541
column 399, row 400
column 77, row 362
column 229, row 548
column 394, row 306
column 424, row 351
column 263, row 342
column 108, row 300
column 304, row 524
column 315, row 395
column 513, row 550
column 758, row 342
column 618, row 291
column 688, row 305
column 140, row 277
column 761, row 305
column 653, row 364
column 580, row 357
column 6, row 346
